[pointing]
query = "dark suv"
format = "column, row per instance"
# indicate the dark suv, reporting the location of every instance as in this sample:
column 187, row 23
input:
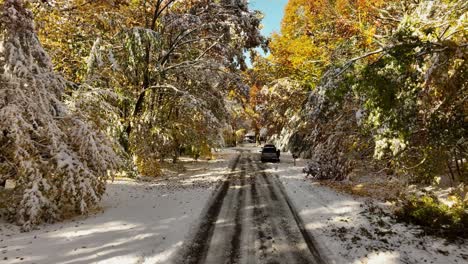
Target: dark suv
column 270, row 153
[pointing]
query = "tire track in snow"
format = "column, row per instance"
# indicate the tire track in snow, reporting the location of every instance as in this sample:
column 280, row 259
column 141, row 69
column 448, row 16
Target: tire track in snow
column 197, row 250
column 236, row 238
column 251, row 220
column 275, row 186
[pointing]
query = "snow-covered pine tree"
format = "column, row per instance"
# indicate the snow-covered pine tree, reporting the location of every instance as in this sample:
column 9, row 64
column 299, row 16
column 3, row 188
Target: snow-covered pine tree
column 59, row 161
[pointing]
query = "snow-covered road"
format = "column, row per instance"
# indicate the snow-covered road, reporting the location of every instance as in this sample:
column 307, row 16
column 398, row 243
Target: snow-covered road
column 251, row 220
column 156, row 222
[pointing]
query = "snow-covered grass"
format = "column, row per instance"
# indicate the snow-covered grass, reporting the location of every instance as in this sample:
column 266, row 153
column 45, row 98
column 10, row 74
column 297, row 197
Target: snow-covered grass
column 359, row 230
column 140, row 222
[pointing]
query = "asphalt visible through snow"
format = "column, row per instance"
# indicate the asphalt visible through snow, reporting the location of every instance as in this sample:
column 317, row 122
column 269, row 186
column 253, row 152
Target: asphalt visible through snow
column 250, row 219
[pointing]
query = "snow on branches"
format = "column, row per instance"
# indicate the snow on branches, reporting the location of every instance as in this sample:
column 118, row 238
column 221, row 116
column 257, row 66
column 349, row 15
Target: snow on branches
column 406, row 100
column 59, row 161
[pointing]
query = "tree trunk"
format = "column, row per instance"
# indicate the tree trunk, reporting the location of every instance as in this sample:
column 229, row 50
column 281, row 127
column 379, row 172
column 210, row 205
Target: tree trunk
column 141, row 98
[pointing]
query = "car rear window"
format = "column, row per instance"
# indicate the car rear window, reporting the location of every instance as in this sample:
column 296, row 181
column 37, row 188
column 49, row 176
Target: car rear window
column 269, row 150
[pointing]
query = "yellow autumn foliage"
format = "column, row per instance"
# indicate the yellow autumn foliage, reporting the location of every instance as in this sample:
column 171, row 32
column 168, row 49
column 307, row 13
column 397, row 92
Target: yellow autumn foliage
column 148, row 165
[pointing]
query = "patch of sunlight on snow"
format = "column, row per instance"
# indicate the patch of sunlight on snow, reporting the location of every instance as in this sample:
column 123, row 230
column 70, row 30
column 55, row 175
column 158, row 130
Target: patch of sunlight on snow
column 236, row 187
column 143, row 236
column 113, row 260
column 387, row 257
column 123, row 241
column 103, row 228
column 331, row 208
column 168, row 220
column 315, row 225
column 251, row 207
column 114, row 247
column 222, row 221
column 164, row 256
column 338, row 219
column 315, row 211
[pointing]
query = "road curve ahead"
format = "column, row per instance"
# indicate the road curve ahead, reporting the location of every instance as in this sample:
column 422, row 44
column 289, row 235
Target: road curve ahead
column 250, row 220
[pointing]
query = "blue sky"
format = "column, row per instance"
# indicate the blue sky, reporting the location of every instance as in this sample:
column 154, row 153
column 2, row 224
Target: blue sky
column 273, row 11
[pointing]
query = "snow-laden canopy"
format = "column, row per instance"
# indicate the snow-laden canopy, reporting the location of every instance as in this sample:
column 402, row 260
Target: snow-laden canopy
column 58, row 160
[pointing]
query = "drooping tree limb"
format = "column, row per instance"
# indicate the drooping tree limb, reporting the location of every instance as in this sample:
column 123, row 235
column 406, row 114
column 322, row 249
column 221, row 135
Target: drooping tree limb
column 353, row 60
column 192, row 62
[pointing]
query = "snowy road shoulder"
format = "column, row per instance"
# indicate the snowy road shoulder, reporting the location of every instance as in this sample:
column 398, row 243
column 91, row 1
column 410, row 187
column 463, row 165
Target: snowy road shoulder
column 140, row 223
column 356, row 230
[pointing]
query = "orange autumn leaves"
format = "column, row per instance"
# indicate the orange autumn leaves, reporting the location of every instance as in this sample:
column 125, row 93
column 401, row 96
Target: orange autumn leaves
column 316, row 32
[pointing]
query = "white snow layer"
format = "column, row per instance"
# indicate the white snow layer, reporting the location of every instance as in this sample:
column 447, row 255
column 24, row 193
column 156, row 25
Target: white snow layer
column 140, row 223
column 148, row 222
column 353, row 230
